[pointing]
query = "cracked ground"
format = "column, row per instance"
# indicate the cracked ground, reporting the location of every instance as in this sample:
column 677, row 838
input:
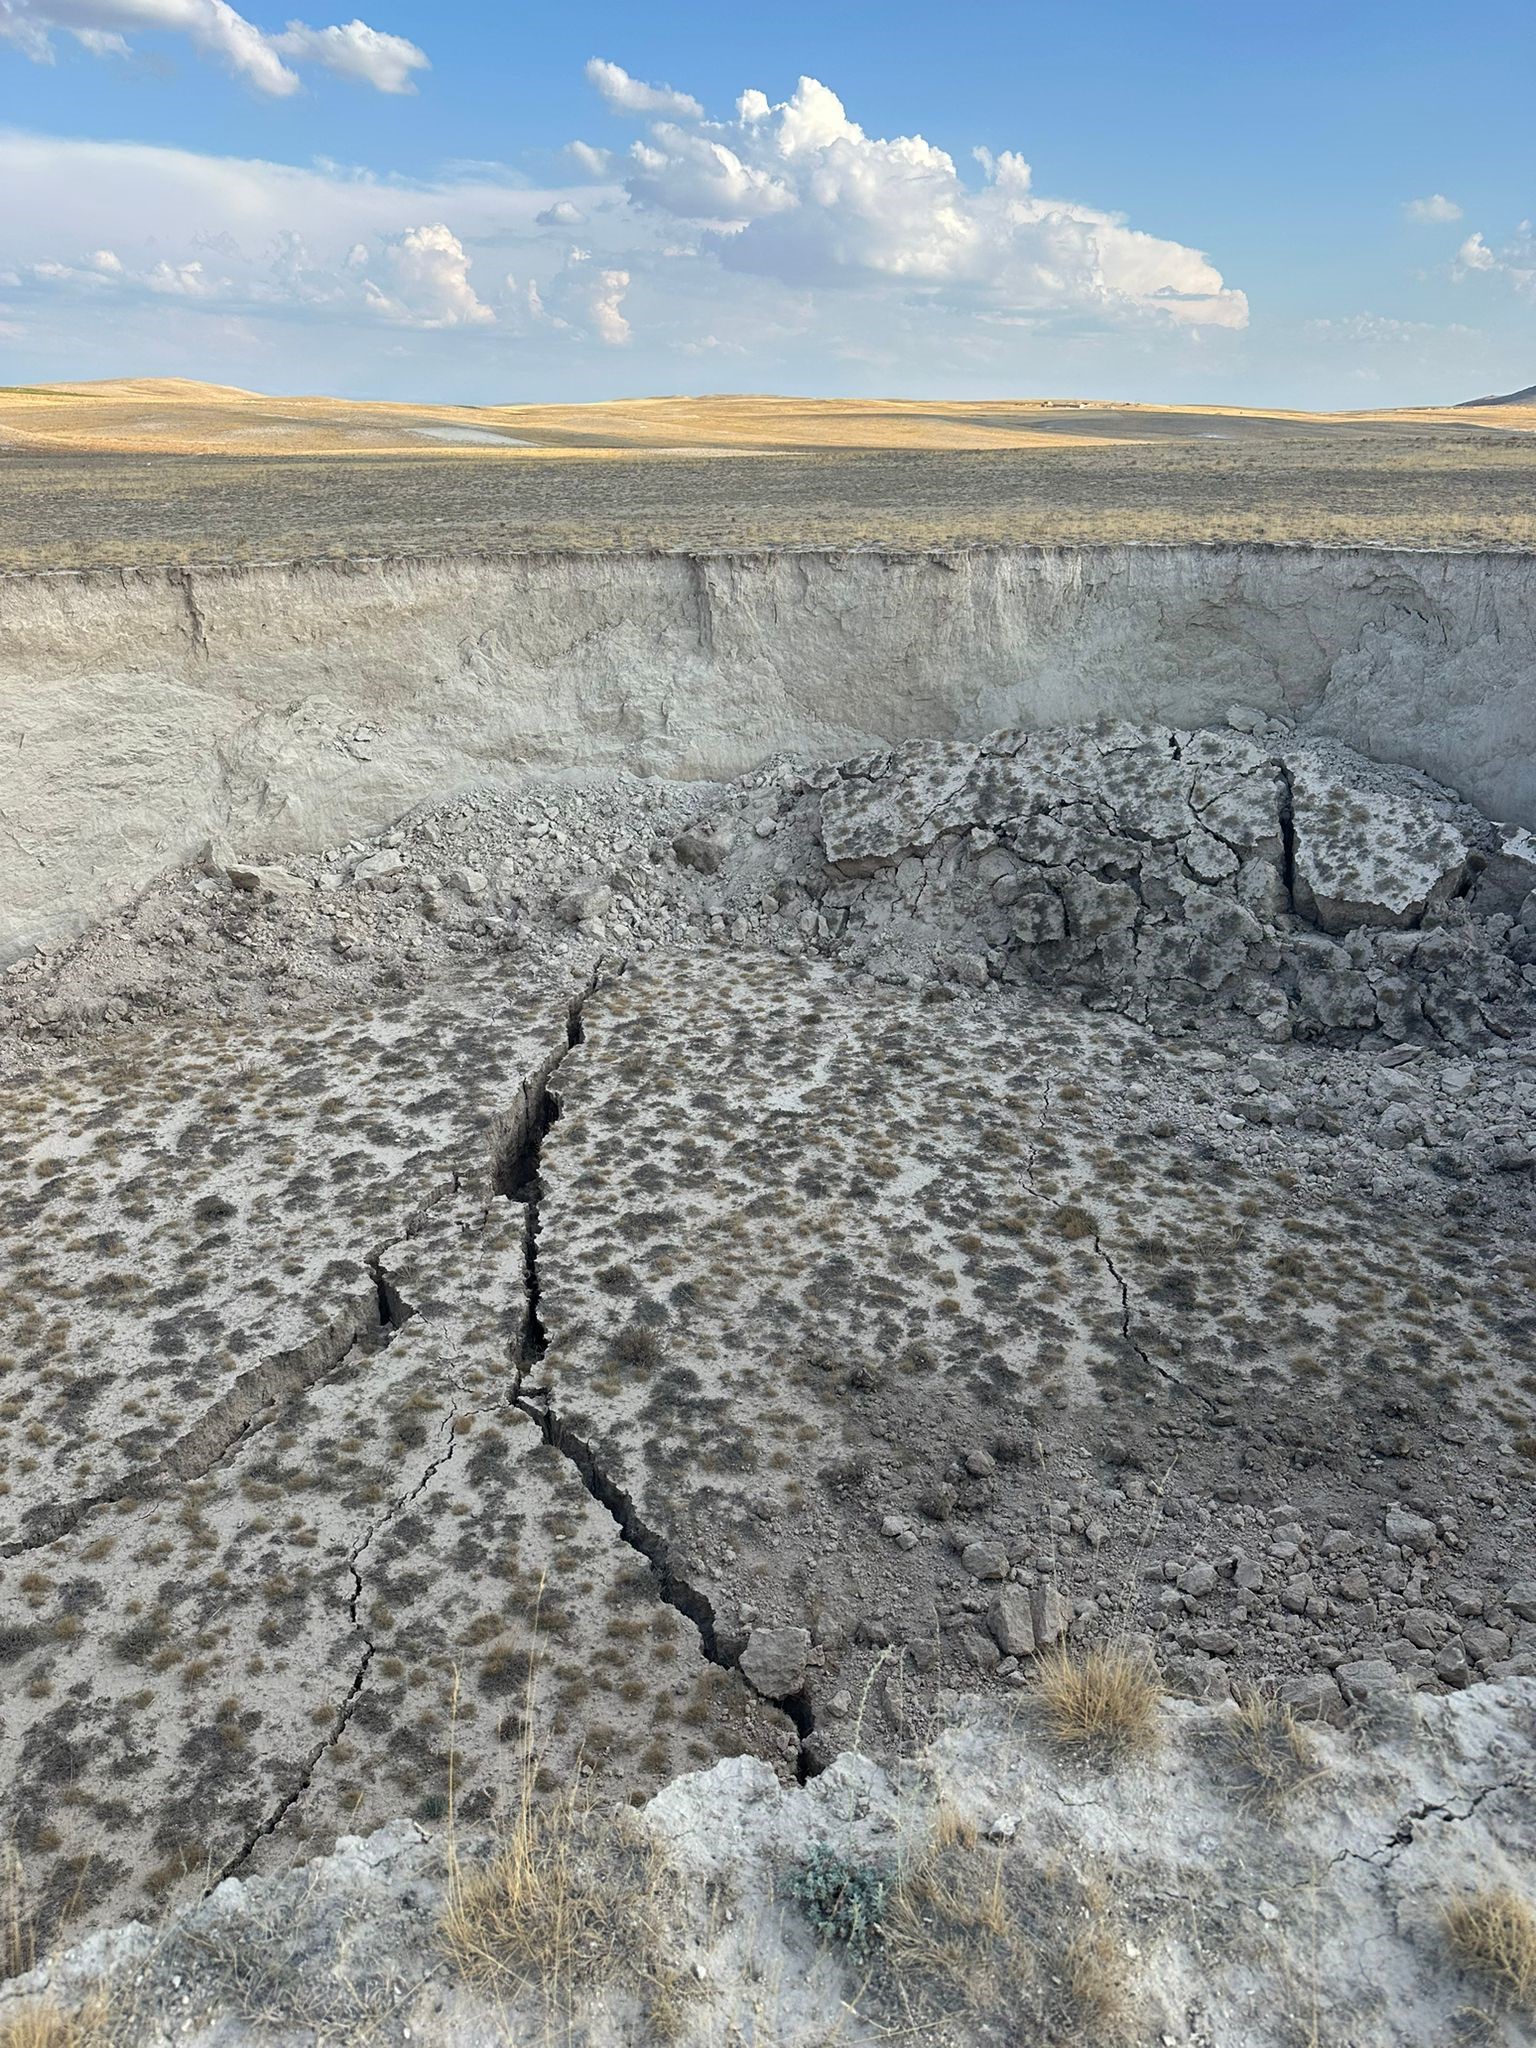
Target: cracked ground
column 474, row 1374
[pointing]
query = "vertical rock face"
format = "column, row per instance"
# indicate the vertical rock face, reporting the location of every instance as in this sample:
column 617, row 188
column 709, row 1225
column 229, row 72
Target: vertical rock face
column 283, row 706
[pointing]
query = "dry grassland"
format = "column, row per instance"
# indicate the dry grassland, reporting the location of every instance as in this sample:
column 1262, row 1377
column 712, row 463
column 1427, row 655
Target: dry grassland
column 142, row 471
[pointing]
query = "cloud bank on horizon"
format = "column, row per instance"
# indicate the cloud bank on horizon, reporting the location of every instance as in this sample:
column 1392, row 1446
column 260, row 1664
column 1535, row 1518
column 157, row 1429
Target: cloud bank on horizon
column 795, row 195
column 351, row 49
column 782, row 230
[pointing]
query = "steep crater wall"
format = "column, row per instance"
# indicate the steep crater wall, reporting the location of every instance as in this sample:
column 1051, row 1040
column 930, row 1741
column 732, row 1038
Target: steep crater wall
column 281, row 707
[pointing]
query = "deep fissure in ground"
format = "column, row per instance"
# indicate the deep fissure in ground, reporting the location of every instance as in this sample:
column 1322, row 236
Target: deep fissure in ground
column 518, row 1176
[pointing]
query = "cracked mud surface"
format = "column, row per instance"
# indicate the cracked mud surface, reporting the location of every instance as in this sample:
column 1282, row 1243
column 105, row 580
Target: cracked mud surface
column 219, row 1653
column 752, row 1219
column 868, row 1336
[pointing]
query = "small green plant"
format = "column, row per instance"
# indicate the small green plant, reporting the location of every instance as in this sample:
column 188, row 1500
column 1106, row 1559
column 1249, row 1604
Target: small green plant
column 843, row 1901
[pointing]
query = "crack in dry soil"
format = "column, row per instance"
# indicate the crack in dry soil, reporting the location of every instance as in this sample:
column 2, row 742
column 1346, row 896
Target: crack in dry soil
column 348, row 1706
column 1402, row 1835
column 1288, row 834
column 1158, row 1371
column 518, row 1176
column 253, row 1401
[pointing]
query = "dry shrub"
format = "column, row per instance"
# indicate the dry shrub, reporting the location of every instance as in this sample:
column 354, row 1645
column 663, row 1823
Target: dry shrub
column 1493, row 1931
column 1269, row 1749
column 1101, row 1701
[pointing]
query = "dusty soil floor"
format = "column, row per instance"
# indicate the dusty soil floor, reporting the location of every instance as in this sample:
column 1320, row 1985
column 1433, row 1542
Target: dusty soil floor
column 594, row 1233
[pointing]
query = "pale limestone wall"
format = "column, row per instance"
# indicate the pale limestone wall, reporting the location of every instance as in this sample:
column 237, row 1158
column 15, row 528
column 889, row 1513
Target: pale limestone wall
column 284, row 706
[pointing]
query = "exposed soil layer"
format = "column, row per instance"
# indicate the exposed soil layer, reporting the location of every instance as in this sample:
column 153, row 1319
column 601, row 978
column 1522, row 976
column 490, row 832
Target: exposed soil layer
column 276, row 709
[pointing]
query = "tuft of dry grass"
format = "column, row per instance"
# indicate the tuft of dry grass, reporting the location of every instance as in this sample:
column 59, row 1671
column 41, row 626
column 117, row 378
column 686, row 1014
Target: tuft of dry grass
column 1270, row 1750
column 572, row 1897
column 1092, row 1967
column 950, row 1925
column 40, row 2023
column 1101, row 1701
column 561, row 1901
column 1492, row 1931
column 977, row 1934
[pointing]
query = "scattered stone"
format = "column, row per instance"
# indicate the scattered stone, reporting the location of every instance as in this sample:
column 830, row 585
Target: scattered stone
column 775, row 1659
column 1363, row 1681
column 702, row 847
column 378, row 867
column 1312, row 1696
column 584, row 903
column 1011, row 1622
column 1410, row 1532
column 1049, row 1615
column 265, row 881
column 985, row 1560
column 1451, row 1665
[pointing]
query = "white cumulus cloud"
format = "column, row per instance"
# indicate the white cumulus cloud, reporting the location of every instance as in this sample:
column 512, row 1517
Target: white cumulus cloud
column 798, row 192
column 608, row 320
column 633, row 96
column 597, row 163
column 429, row 282
column 1432, row 211
column 354, row 50
column 1514, row 260
column 1475, row 254
column 129, row 223
column 783, row 235
column 215, row 29
column 563, row 214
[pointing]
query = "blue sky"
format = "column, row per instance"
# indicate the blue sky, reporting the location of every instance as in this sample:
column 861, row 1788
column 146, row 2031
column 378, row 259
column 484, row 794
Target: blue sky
column 1316, row 205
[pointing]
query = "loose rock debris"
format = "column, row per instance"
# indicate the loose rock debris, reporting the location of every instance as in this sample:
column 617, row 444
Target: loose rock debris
column 1189, row 880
